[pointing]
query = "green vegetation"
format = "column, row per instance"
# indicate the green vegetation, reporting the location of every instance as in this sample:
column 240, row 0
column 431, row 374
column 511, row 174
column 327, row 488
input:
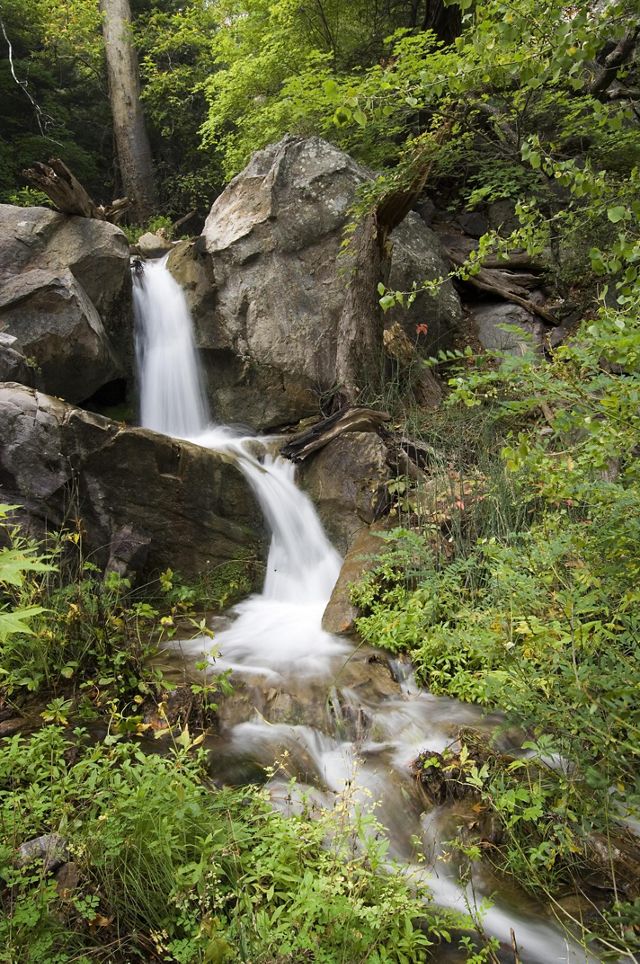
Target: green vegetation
column 166, row 867
column 526, row 597
column 159, row 863
column 67, row 629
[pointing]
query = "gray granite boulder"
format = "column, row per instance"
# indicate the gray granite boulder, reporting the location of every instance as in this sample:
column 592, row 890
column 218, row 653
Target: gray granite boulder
column 523, row 331
column 346, row 481
column 65, row 299
column 143, row 501
column 266, row 282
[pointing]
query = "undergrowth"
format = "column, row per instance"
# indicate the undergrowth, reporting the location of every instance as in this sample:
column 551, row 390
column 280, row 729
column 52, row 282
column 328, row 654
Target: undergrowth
column 67, row 628
column 166, row 867
column 520, row 592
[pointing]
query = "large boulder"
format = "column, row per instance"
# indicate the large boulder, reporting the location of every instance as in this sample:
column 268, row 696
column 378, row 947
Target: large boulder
column 347, row 482
column 144, row 501
column 65, row 297
column 266, row 282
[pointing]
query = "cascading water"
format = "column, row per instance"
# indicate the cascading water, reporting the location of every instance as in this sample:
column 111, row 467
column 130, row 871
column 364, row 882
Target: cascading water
column 359, row 735
column 279, row 631
column 172, row 399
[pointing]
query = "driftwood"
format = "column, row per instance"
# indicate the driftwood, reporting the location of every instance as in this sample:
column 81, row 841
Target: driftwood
column 350, row 420
column 68, row 194
column 491, row 282
column 616, row 59
column 516, row 261
column 519, row 283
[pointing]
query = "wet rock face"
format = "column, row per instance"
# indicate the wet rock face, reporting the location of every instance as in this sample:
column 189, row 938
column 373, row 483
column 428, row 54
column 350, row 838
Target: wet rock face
column 346, row 482
column 340, row 615
column 266, row 282
column 65, row 300
column 145, row 502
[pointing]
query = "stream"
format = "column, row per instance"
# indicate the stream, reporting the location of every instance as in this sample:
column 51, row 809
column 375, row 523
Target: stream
column 341, row 719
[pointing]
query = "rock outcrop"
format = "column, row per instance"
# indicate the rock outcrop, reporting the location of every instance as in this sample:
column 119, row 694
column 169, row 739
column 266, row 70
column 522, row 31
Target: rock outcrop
column 340, row 614
column 266, row 282
column 65, row 300
column 143, row 501
column 14, row 367
column 152, row 245
column 347, row 484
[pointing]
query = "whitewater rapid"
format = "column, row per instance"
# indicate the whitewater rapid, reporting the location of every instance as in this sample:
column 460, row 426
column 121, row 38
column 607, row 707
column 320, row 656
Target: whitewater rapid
column 276, row 638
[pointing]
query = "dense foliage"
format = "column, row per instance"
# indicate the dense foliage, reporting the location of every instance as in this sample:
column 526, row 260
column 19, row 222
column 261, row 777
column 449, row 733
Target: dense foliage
column 534, row 609
column 168, row 868
column 524, row 599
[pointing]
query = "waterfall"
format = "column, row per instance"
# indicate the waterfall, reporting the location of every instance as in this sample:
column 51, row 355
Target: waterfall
column 172, row 398
column 276, row 637
column 278, row 633
column 278, row 630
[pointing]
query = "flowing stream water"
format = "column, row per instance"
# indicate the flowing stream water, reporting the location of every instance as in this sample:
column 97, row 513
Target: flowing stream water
column 335, row 716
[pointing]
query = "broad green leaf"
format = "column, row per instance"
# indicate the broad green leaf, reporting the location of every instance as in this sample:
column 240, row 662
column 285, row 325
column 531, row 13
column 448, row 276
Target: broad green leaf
column 14, row 563
column 616, row 214
column 14, row 622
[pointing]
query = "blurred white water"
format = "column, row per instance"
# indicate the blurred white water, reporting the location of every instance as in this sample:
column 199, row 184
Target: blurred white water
column 276, row 636
column 278, row 633
column 172, row 399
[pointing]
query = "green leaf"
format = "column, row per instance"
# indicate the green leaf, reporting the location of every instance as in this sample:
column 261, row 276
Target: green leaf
column 14, row 563
column 342, row 116
column 331, row 89
column 12, row 623
column 617, row 213
column 360, row 117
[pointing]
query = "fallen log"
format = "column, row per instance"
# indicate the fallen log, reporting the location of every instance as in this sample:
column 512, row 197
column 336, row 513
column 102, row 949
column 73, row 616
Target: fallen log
column 486, row 281
column 303, row 445
column 463, row 246
column 67, row 193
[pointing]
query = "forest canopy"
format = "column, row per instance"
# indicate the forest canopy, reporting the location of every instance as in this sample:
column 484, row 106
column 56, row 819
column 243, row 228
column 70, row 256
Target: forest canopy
column 222, row 79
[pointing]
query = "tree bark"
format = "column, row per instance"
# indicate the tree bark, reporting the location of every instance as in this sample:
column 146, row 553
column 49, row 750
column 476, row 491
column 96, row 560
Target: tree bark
column 360, row 352
column 619, row 56
column 63, row 188
column 445, row 19
column 67, row 193
column 132, row 143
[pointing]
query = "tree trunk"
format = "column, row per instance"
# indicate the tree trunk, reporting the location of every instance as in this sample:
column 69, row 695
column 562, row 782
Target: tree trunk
column 619, row 56
column 132, row 143
column 360, row 354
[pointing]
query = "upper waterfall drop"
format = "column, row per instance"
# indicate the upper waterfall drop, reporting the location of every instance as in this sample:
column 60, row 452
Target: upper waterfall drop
column 172, row 397
column 278, row 632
